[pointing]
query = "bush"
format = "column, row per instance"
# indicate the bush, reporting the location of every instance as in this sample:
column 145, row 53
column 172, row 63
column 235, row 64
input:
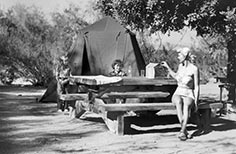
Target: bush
column 210, row 66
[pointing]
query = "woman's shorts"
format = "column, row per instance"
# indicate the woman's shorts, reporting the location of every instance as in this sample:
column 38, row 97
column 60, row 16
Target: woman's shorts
column 184, row 92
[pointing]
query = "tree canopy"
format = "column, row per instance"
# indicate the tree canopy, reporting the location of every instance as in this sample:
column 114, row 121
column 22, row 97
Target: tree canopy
column 209, row 18
column 205, row 16
column 30, row 44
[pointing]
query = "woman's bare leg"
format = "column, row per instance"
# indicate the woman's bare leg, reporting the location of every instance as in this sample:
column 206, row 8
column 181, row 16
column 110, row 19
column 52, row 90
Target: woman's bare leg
column 178, row 101
column 188, row 103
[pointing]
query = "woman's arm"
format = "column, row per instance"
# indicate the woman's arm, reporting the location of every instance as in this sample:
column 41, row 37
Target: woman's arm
column 196, row 86
column 70, row 71
column 57, row 72
column 171, row 72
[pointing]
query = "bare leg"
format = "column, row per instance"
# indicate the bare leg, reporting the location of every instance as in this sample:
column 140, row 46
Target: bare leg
column 188, row 103
column 178, row 101
column 59, row 92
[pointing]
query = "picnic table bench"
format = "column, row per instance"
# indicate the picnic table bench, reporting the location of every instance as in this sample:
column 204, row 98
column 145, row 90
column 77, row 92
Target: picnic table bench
column 151, row 95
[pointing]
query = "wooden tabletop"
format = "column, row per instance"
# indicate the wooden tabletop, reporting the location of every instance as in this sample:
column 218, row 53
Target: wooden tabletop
column 119, row 81
column 147, row 81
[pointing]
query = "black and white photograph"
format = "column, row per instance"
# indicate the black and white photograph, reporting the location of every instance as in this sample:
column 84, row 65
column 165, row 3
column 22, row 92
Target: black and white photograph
column 117, row 77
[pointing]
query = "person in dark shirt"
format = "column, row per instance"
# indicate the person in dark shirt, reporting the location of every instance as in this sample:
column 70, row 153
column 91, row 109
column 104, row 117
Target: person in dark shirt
column 117, row 66
column 63, row 71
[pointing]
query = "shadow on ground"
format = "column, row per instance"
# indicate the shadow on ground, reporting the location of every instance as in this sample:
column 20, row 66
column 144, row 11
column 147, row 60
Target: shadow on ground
column 27, row 125
column 164, row 123
column 221, row 124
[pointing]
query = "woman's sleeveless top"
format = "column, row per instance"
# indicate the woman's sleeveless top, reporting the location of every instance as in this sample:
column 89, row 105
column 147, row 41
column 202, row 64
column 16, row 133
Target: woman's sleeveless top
column 185, row 80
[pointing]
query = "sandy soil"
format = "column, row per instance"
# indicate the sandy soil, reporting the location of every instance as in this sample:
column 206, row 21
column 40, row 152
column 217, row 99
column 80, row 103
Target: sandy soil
column 29, row 127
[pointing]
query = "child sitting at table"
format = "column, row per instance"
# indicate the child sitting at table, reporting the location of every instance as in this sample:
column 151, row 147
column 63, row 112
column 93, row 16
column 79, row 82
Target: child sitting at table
column 117, row 66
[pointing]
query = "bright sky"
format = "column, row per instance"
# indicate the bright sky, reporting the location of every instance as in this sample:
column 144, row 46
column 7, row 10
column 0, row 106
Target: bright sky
column 47, row 6
column 186, row 38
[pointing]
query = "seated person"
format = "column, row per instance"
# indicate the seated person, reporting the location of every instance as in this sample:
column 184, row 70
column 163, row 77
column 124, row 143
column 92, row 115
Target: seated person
column 63, row 71
column 117, row 66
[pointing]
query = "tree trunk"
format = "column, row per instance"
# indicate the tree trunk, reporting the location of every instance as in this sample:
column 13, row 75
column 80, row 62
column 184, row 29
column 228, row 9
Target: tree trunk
column 231, row 68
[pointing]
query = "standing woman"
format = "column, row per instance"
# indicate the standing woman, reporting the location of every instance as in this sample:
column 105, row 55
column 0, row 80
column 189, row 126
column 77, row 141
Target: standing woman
column 187, row 93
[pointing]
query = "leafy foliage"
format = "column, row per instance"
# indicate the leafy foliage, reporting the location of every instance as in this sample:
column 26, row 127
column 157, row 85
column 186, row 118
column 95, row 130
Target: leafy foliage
column 211, row 64
column 210, row 18
column 30, row 44
column 206, row 16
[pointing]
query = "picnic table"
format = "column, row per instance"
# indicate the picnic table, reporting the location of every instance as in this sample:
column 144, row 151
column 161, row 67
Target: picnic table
column 114, row 97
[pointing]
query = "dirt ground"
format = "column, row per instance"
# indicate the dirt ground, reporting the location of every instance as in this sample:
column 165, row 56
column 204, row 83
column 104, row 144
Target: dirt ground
column 29, row 127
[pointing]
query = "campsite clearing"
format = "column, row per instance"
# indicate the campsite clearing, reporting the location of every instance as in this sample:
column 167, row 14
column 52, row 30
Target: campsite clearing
column 96, row 47
column 29, row 127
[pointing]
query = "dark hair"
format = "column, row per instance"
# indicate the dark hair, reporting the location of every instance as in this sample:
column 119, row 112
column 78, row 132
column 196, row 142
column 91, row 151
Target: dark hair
column 117, row 61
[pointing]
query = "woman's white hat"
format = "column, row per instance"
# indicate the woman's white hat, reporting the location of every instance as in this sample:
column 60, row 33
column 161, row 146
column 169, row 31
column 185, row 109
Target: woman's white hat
column 64, row 57
column 185, row 51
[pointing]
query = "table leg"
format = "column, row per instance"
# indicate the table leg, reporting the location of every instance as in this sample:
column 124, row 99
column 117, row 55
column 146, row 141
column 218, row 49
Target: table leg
column 120, row 124
column 79, row 109
column 206, row 119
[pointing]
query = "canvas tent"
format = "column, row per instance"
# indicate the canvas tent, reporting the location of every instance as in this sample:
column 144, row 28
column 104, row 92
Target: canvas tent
column 97, row 45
